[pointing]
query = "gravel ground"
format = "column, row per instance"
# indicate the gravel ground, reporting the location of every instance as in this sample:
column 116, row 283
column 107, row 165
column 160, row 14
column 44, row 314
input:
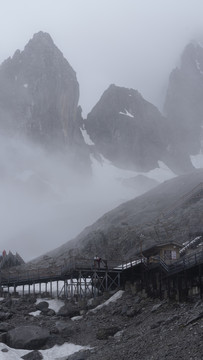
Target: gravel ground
column 132, row 327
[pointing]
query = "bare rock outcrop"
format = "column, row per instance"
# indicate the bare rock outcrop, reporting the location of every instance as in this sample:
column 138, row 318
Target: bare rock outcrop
column 127, row 129
column 39, row 95
column 183, row 103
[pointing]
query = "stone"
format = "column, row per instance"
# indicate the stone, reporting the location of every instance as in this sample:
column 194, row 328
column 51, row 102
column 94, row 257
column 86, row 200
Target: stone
column 81, row 355
column 68, row 310
column 5, row 315
column 42, row 305
column 33, row 355
column 4, row 326
column 27, row 337
column 64, row 328
column 104, row 333
column 3, row 337
column 156, row 307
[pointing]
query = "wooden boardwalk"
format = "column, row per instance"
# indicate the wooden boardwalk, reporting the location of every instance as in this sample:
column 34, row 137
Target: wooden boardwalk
column 78, row 275
column 83, row 278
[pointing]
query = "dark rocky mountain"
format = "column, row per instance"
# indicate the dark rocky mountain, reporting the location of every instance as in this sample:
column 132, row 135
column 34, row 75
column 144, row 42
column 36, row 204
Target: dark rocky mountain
column 131, row 132
column 127, row 129
column 184, row 102
column 39, row 96
column 159, row 215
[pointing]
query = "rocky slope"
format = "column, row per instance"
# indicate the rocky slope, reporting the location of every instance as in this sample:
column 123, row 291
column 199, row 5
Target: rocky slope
column 39, row 96
column 130, row 327
column 183, row 104
column 156, row 214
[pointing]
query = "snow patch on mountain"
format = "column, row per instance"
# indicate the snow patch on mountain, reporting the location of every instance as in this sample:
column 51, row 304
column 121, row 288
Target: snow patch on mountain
column 86, row 137
column 197, row 160
column 126, row 113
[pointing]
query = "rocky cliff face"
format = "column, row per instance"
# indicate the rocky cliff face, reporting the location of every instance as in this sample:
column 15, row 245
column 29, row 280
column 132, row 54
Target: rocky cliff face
column 184, row 101
column 127, row 129
column 39, row 96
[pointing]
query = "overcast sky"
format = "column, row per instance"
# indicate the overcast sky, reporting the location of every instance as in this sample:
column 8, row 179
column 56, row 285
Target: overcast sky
column 131, row 43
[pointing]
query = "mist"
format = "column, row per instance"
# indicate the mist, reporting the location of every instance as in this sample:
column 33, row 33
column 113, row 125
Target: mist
column 43, row 202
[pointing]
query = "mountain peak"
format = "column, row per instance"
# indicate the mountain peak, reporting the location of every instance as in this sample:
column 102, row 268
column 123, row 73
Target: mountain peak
column 41, row 42
column 42, row 36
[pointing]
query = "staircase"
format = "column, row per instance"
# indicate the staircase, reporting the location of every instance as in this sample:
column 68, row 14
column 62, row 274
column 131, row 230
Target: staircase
column 183, row 263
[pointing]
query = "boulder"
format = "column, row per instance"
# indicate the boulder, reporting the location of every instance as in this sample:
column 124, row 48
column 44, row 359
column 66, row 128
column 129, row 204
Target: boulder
column 64, row 328
column 68, row 310
column 104, row 333
column 27, row 337
column 42, row 305
column 33, row 355
column 4, row 327
column 5, row 315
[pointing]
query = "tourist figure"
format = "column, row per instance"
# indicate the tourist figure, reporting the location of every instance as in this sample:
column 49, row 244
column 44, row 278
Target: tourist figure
column 97, row 261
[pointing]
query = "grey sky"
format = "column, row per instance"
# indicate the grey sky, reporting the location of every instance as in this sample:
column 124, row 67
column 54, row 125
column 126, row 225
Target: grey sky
column 132, row 43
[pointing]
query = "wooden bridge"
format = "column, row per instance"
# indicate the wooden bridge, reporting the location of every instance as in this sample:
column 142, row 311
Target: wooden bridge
column 81, row 277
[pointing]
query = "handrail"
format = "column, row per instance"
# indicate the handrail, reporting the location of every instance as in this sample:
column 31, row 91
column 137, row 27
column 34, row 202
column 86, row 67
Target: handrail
column 57, row 272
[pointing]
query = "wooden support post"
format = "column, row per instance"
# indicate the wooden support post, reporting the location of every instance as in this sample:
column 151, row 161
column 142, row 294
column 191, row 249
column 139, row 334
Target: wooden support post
column 77, row 286
column 34, row 288
column 64, row 285
column 169, row 287
column 85, row 287
column 106, row 280
column 71, row 289
column 160, row 284
column 94, row 283
column 46, row 288
column 200, row 282
column 119, row 281
column 51, row 288
column 186, row 284
column 57, row 289
column 23, row 290
column 40, row 288
column 178, row 288
column 80, row 285
column 29, row 289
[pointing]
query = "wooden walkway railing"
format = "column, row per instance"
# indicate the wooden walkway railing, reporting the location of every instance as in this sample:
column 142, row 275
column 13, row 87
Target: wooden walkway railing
column 21, row 275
